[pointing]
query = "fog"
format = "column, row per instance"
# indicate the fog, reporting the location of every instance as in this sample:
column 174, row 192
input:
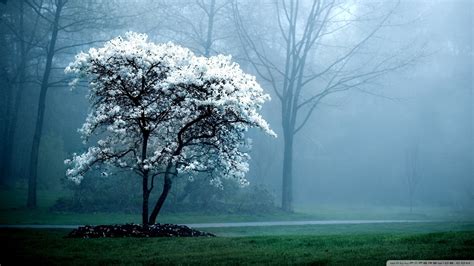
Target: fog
column 397, row 130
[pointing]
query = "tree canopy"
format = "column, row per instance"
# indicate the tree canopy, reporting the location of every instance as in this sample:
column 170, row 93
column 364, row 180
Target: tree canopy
column 159, row 110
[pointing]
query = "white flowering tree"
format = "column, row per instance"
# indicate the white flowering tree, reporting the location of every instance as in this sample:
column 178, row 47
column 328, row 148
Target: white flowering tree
column 159, row 110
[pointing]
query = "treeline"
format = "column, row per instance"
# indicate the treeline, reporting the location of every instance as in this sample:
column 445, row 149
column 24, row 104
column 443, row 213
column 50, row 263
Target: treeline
column 301, row 51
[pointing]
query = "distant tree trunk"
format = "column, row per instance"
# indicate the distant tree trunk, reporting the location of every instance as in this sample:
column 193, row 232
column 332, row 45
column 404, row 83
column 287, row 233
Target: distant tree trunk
column 287, row 188
column 4, row 156
column 210, row 26
column 164, row 194
column 17, row 101
column 33, row 168
column 5, row 120
column 298, row 80
column 13, row 122
column 24, row 47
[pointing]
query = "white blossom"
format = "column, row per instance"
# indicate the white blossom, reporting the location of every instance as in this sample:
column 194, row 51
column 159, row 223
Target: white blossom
column 191, row 112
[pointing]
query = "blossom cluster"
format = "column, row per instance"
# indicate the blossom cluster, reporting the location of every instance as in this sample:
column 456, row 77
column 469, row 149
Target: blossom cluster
column 153, row 105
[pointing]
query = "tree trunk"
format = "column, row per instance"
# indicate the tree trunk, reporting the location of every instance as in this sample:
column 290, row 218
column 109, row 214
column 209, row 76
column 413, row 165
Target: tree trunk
column 210, row 26
column 4, row 155
column 13, row 124
column 164, row 194
column 146, row 191
column 287, row 186
column 33, row 168
column 20, row 88
column 146, row 196
column 14, row 114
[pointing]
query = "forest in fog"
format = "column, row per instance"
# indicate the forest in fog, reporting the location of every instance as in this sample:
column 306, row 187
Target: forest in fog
column 371, row 101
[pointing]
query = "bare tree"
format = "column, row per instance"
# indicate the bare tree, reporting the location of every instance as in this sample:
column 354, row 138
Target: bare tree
column 20, row 37
column 304, row 63
column 62, row 21
column 32, row 181
column 198, row 24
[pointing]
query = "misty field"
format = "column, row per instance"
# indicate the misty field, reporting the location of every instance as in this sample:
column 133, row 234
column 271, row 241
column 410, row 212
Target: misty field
column 12, row 211
column 449, row 235
column 321, row 132
column 50, row 247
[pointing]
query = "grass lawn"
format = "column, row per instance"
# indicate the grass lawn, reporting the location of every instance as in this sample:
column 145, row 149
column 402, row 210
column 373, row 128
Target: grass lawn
column 50, row 247
column 12, row 211
column 343, row 229
column 356, row 244
column 43, row 215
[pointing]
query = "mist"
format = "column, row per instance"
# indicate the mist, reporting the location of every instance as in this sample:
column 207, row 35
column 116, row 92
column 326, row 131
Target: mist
column 396, row 132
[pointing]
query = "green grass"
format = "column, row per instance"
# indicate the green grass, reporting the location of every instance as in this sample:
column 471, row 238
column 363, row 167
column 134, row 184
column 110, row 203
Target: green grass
column 356, row 244
column 50, row 247
column 371, row 212
column 12, row 211
column 344, row 229
column 45, row 216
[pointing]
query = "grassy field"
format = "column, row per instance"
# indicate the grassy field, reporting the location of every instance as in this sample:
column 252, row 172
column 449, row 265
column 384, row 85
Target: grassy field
column 45, row 216
column 449, row 236
column 50, row 247
column 12, row 211
column 344, row 229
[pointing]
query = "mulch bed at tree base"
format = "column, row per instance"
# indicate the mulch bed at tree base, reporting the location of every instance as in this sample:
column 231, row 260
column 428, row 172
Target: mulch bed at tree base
column 136, row 230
